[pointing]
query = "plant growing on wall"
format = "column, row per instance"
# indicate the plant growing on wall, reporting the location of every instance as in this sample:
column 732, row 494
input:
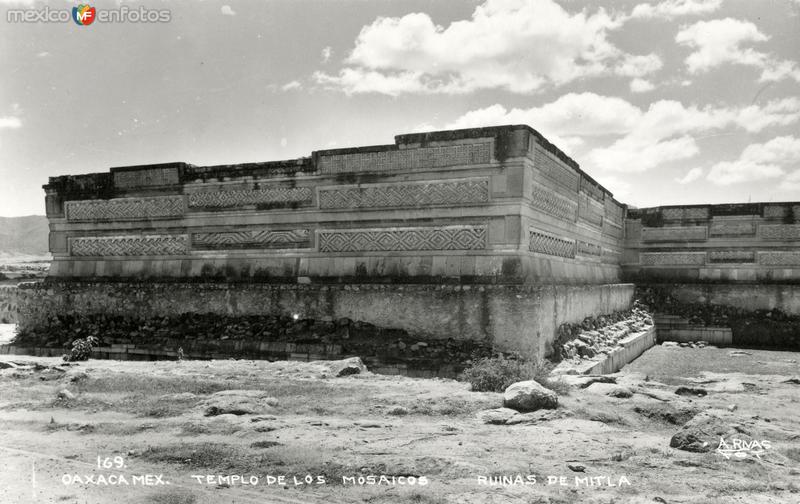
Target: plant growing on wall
column 81, row 349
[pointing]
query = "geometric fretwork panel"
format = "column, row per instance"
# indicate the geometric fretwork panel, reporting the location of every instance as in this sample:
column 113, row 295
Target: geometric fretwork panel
column 407, row 159
column 673, row 258
column 551, row 245
column 421, row 238
column 779, row 258
column 268, row 239
column 434, row 193
column 553, row 204
column 274, row 195
column 120, row 209
column 131, row 245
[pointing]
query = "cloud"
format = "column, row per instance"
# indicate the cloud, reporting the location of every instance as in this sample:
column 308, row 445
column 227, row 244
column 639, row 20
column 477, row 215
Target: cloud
column 632, row 139
column 327, row 52
column 10, row 122
column 722, row 41
column 521, row 46
column 641, row 86
column 670, row 9
column 758, row 162
column 227, row 10
column 291, row 85
column 691, row 176
column 791, row 182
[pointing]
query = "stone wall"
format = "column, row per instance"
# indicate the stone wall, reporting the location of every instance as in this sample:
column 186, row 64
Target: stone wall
column 8, row 304
column 744, row 243
column 510, row 318
column 486, row 205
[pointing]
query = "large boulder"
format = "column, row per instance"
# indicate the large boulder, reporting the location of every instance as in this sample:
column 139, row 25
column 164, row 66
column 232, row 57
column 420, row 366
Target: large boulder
column 529, row 395
column 345, row 367
column 703, row 432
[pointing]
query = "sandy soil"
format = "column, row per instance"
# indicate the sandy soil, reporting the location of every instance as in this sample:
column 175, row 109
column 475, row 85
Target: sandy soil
column 297, row 420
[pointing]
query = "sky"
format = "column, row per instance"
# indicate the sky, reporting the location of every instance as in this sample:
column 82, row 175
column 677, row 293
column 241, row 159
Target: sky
column 663, row 102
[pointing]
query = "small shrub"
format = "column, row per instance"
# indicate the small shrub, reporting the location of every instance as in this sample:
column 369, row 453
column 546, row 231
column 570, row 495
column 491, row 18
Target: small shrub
column 495, row 374
column 81, row 349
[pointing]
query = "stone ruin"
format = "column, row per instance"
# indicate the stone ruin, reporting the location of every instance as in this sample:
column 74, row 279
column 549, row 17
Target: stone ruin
column 436, row 246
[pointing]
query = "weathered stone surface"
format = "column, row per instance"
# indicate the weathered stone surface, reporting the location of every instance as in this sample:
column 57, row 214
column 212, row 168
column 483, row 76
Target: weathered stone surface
column 346, row 367
column 529, row 396
column 496, row 416
column 702, row 433
column 610, row 389
column 239, row 402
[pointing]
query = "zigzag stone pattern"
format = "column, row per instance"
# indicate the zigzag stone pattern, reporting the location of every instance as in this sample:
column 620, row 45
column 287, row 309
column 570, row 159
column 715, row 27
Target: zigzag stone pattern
column 732, row 228
column 780, row 232
column 145, row 245
column 554, row 170
column 551, row 245
column 236, row 198
column 553, row 204
column 401, row 195
column 262, row 238
column 779, row 258
column 146, row 178
column 673, row 258
column 692, row 233
column 390, row 239
column 120, row 209
column 685, row 213
column 409, row 159
column 731, row 256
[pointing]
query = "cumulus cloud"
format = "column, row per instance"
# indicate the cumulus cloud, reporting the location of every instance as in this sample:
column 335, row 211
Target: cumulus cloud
column 291, row 85
column 791, row 182
column 635, row 139
column 227, row 10
column 721, row 41
column 758, row 162
column 691, row 176
column 641, row 86
column 10, row 122
column 327, row 52
column 671, row 9
column 516, row 45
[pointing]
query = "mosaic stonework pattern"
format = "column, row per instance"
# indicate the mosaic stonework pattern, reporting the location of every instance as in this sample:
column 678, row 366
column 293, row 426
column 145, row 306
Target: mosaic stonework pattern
column 131, row 245
column 590, row 212
column 146, row 178
column 121, row 209
column 407, row 159
column 403, row 195
column 685, row 213
column 780, row 232
column 398, row 239
column 237, row 198
column 587, row 248
column 678, row 233
column 550, row 167
column 779, row 211
column 779, row 258
column 250, row 239
column 673, row 258
column 732, row 229
column 553, row 204
column 550, row 245
column 731, row 256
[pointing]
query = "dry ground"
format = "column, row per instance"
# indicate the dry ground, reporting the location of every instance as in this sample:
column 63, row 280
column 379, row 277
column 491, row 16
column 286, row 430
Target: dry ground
column 152, row 415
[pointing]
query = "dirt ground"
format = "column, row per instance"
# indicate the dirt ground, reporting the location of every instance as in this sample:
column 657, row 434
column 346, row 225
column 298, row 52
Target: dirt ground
column 165, row 432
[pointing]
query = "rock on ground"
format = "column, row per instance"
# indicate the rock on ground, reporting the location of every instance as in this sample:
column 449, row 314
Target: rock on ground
column 610, row 389
column 239, row 402
column 703, row 432
column 496, row 416
column 345, row 367
column 529, row 395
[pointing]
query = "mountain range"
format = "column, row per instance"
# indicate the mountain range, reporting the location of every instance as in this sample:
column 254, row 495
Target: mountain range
column 26, row 235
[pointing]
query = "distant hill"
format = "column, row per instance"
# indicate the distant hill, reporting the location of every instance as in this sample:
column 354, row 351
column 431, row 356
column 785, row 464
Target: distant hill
column 24, row 235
